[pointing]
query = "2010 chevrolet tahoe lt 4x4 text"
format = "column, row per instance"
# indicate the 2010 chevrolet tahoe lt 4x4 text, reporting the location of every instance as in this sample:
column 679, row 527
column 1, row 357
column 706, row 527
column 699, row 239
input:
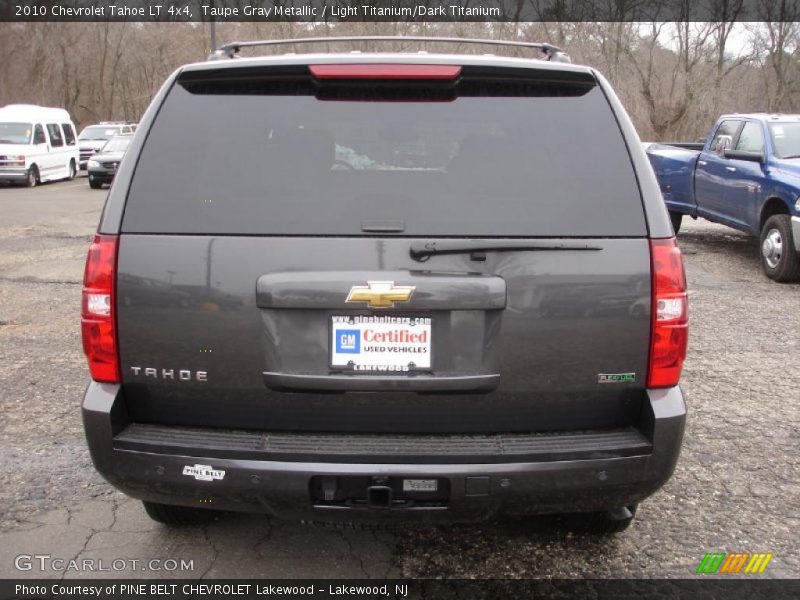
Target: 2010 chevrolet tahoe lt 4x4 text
column 385, row 287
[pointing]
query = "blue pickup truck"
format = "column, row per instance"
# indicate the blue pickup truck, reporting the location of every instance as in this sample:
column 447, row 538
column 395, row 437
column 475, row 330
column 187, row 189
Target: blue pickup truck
column 747, row 176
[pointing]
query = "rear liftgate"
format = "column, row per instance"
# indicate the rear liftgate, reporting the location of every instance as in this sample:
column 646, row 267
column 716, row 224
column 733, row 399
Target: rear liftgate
column 445, row 279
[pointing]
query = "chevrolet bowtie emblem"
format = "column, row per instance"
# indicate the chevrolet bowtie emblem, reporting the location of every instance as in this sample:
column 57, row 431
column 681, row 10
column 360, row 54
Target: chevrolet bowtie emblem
column 380, row 294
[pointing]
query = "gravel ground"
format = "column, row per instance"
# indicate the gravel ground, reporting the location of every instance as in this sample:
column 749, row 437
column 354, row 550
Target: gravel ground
column 736, row 487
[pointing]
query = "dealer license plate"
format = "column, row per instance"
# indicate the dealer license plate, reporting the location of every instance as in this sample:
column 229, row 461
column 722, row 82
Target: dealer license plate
column 381, row 344
column 419, row 485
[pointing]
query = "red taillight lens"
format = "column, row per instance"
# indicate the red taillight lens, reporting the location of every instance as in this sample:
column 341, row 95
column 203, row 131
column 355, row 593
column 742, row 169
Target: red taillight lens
column 390, row 71
column 98, row 318
column 670, row 320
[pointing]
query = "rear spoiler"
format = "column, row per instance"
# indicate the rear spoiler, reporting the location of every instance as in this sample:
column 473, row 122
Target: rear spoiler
column 232, row 49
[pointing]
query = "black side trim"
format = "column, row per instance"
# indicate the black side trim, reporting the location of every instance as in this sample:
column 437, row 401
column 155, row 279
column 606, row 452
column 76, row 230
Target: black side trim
column 442, row 449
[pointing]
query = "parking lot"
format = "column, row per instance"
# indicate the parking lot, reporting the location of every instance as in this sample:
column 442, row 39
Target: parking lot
column 736, row 487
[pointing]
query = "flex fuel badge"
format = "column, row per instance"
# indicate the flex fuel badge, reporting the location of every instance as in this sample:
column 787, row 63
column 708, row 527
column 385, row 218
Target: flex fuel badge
column 203, row 472
column 616, row 377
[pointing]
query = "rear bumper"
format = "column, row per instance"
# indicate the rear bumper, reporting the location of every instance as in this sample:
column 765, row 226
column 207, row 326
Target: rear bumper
column 477, row 490
column 796, row 232
column 9, row 174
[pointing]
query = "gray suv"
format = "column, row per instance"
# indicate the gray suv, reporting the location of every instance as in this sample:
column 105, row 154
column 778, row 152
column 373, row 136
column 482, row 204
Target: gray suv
column 379, row 287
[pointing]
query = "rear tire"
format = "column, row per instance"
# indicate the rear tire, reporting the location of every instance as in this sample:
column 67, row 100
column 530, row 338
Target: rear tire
column 33, row 177
column 677, row 219
column 779, row 259
column 178, row 516
column 95, row 185
column 72, row 171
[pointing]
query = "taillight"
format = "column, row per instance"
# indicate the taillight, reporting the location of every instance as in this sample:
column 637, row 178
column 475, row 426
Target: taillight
column 98, row 318
column 670, row 318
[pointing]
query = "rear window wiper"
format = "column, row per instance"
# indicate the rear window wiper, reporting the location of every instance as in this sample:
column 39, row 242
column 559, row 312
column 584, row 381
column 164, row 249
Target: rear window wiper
column 422, row 251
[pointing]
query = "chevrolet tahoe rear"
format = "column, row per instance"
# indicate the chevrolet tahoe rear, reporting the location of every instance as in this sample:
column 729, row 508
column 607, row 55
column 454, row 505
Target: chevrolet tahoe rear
column 385, row 287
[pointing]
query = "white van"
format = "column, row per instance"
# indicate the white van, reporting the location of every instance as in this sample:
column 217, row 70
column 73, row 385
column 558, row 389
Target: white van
column 37, row 144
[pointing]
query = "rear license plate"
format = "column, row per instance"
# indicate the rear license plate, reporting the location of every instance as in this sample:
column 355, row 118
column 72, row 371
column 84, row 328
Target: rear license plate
column 380, row 344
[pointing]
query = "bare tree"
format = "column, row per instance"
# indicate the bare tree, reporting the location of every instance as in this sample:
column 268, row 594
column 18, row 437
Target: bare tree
column 777, row 42
column 672, row 77
column 727, row 11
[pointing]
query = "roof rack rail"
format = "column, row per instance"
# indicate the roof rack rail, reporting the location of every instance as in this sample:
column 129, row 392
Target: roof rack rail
column 231, row 50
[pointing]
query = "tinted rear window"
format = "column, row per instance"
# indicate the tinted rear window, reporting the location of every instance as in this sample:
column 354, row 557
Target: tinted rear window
column 489, row 160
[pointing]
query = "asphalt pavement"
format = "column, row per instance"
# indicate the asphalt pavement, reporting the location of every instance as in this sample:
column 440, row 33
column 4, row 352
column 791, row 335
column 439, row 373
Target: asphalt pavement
column 736, row 487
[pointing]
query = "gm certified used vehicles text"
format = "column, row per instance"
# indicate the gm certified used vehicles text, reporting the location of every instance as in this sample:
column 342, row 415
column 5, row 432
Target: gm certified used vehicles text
column 397, row 287
column 36, row 144
column 746, row 176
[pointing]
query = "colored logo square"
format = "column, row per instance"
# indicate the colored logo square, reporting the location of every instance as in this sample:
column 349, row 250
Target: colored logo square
column 348, row 341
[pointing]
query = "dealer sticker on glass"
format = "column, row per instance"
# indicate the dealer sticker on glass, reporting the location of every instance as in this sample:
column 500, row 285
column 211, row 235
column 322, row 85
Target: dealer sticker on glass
column 381, row 344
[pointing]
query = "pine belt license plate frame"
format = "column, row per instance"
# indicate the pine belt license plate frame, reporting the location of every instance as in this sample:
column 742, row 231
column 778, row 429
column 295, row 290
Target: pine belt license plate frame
column 425, row 322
